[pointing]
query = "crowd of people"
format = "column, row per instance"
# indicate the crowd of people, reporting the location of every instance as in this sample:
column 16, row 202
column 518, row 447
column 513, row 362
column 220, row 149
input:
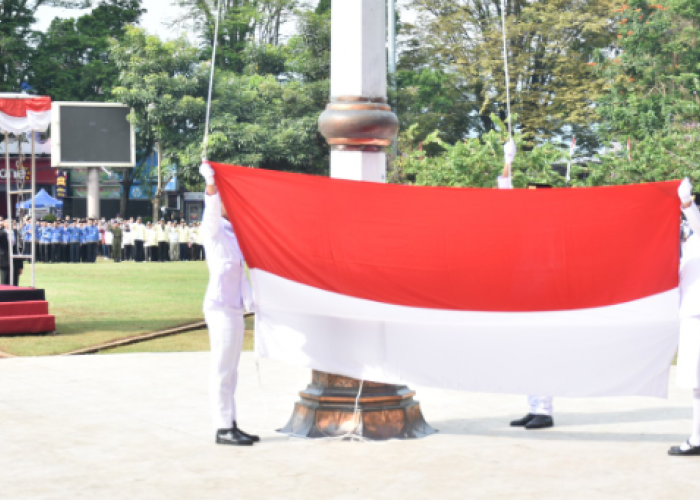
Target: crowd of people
column 83, row 240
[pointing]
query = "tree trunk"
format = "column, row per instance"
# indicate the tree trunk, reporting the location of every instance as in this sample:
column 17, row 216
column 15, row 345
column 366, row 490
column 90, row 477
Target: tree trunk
column 159, row 188
column 127, row 182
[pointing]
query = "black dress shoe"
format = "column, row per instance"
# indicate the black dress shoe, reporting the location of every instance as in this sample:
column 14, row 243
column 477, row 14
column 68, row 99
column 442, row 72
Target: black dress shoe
column 540, row 422
column 676, row 451
column 252, row 437
column 523, row 421
column 232, row 437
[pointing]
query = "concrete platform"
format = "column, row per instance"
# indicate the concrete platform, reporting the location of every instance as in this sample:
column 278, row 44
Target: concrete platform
column 136, row 427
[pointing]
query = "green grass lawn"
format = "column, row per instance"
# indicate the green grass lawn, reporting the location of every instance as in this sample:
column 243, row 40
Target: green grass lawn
column 95, row 303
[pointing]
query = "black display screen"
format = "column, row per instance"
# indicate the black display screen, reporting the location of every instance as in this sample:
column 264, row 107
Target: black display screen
column 95, row 135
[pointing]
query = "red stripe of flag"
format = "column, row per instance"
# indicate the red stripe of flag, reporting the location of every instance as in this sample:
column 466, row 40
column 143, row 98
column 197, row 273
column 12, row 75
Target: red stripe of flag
column 457, row 249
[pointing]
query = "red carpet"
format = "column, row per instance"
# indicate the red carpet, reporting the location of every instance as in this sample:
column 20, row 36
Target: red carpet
column 24, row 310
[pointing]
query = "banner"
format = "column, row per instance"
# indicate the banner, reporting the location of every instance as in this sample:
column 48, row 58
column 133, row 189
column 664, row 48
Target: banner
column 565, row 292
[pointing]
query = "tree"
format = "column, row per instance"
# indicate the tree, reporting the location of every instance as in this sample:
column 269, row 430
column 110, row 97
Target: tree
column 652, row 72
column 309, row 50
column 431, row 99
column 549, row 44
column 165, row 83
column 242, row 22
column 16, row 19
column 259, row 122
column 475, row 162
column 323, row 6
column 71, row 62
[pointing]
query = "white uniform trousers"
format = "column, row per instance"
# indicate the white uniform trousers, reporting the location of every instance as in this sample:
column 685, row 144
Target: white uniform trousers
column 540, row 405
column 688, row 364
column 226, row 329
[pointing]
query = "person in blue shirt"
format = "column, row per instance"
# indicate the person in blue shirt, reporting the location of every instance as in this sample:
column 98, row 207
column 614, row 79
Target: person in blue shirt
column 65, row 242
column 45, row 241
column 27, row 236
column 83, row 241
column 74, row 242
column 94, row 240
column 56, row 239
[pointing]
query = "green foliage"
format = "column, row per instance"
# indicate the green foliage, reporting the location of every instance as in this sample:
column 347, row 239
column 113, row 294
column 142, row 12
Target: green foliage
column 165, row 83
column 549, row 43
column 71, row 61
column 16, row 19
column 260, row 122
column 323, row 6
column 652, row 73
column 309, row 51
column 431, row 99
column 49, row 218
column 661, row 157
column 243, row 23
column 477, row 162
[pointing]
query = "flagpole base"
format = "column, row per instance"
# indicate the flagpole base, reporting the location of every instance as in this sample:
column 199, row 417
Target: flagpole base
column 384, row 411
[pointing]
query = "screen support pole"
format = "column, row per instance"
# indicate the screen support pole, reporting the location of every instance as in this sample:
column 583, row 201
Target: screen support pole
column 93, row 193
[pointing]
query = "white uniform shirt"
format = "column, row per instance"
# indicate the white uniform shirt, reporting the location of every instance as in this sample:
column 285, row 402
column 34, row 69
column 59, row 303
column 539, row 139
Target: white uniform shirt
column 173, row 235
column 138, row 231
column 228, row 286
column 127, row 238
column 690, row 267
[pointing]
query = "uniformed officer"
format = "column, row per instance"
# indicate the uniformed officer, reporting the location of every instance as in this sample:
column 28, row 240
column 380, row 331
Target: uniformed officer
column 74, row 242
column 116, row 242
column 65, row 242
column 540, row 414
column 138, row 231
column 200, row 243
column 83, row 235
column 183, row 239
column 223, row 311
column 56, row 239
column 9, row 237
column 94, row 233
column 28, row 235
column 688, row 362
column 45, row 242
column 149, row 239
column 194, row 250
column 174, row 242
column 162, row 239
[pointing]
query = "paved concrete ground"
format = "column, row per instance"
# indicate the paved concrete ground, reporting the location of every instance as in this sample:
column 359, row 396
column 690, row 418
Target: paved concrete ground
column 136, row 427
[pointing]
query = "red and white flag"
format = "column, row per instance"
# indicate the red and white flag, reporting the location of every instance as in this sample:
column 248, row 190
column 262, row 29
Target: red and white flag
column 22, row 114
column 566, row 292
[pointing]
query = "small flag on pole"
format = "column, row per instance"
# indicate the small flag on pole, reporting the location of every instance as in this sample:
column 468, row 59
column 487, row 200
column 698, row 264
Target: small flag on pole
column 571, row 155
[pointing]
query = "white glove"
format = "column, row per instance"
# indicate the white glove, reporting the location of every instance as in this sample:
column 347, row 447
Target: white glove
column 509, row 151
column 207, row 172
column 685, row 191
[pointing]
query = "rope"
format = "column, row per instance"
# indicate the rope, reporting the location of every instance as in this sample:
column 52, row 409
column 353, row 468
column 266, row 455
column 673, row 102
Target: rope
column 211, row 80
column 505, row 67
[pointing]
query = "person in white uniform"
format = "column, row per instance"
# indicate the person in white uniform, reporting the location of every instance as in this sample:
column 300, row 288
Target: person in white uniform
column 227, row 294
column 688, row 363
column 540, row 414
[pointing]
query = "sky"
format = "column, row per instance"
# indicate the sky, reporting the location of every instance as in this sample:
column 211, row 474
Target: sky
column 160, row 13
column 155, row 20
